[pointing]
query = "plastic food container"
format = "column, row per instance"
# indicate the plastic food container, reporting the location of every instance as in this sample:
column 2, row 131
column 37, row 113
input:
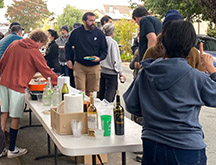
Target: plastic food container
column 37, row 87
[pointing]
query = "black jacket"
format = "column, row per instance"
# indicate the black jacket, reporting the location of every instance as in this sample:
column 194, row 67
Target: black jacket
column 51, row 56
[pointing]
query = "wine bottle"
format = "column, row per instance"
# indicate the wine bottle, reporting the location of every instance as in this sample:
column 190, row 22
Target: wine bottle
column 118, row 116
column 65, row 90
column 92, row 117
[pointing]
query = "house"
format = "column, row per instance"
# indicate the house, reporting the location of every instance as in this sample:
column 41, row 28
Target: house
column 118, row 12
column 48, row 23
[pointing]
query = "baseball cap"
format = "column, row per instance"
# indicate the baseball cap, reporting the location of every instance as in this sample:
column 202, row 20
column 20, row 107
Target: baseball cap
column 15, row 23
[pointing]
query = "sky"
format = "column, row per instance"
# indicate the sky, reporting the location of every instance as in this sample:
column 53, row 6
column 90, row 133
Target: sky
column 57, row 6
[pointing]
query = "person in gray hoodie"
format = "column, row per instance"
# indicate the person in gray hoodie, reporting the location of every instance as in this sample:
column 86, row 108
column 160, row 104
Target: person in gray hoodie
column 110, row 67
column 168, row 93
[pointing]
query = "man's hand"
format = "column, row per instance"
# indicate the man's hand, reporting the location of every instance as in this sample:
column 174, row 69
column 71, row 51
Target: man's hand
column 69, row 64
column 207, row 60
column 97, row 59
column 137, row 65
column 122, row 78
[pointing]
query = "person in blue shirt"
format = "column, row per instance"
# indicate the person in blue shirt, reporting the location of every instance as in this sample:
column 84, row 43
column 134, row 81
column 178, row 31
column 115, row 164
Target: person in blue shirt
column 168, row 93
column 16, row 33
column 86, row 41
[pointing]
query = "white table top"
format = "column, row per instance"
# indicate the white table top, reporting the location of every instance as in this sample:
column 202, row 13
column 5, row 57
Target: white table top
column 86, row 145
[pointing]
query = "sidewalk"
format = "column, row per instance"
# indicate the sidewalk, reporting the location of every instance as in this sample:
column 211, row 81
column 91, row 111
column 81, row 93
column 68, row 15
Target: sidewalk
column 35, row 140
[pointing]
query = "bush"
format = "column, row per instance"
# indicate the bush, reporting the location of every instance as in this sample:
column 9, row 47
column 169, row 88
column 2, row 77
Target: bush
column 126, row 57
column 211, row 32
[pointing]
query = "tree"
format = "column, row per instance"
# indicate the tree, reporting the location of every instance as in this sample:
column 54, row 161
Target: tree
column 189, row 9
column 124, row 32
column 70, row 16
column 1, row 3
column 209, row 9
column 28, row 13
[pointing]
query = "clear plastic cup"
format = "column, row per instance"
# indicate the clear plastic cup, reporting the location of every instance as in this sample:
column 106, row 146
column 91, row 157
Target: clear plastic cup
column 76, row 126
column 99, row 133
column 39, row 97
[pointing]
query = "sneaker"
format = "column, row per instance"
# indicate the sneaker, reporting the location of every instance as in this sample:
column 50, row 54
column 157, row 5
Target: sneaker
column 17, row 152
column 4, row 152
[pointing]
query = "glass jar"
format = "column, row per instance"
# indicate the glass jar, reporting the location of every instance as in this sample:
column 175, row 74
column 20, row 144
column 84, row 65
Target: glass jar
column 46, row 99
column 56, row 96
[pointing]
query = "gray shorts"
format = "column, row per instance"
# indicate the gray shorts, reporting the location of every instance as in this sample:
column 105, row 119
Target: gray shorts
column 12, row 102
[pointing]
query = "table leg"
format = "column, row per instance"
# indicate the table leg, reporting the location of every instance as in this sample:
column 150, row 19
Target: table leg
column 123, row 158
column 30, row 120
column 49, row 155
column 56, row 154
column 48, row 143
column 75, row 161
column 99, row 158
column 93, row 159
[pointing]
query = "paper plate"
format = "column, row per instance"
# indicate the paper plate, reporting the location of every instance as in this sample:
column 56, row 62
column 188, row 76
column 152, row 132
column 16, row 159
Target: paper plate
column 89, row 58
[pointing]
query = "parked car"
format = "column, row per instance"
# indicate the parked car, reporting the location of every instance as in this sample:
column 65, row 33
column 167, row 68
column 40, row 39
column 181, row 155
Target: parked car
column 209, row 45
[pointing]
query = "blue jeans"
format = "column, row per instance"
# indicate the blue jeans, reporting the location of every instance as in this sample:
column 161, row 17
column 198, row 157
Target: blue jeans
column 159, row 154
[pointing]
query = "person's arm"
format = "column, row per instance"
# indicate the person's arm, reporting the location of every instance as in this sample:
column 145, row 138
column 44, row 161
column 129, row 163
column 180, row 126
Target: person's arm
column 147, row 29
column 152, row 39
column 69, row 53
column 103, row 49
column 131, row 98
column 42, row 67
column 132, row 62
column 135, row 46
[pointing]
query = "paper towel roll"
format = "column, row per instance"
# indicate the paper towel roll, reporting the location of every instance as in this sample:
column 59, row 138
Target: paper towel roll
column 73, row 103
column 62, row 80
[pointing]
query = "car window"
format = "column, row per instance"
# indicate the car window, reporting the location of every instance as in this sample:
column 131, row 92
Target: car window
column 208, row 44
column 211, row 45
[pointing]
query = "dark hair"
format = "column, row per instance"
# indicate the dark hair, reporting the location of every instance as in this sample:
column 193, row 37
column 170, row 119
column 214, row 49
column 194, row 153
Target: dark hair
column 38, row 36
column 139, row 12
column 1, row 35
column 85, row 16
column 178, row 37
column 16, row 28
column 105, row 19
column 53, row 33
column 76, row 25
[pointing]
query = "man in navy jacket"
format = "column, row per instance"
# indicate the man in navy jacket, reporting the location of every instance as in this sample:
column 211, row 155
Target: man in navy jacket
column 85, row 41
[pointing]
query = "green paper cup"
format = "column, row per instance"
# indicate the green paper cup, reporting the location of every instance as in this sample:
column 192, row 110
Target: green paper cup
column 106, row 124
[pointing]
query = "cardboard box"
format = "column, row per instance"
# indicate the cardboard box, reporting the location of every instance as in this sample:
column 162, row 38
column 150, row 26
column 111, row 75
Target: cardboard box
column 87, row 159
column 62, row 122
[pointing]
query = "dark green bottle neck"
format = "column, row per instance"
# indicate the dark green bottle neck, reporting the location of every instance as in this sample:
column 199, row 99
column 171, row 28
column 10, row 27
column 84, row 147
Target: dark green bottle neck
column 118, row 100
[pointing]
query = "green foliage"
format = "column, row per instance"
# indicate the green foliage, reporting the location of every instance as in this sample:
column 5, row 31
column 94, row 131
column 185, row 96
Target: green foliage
column 126, row 57
column 209, row 9
column 1, row 3
column 189, row 9
column 125, row 30
column 70, row 16
column 27, row 13
column 211, row 31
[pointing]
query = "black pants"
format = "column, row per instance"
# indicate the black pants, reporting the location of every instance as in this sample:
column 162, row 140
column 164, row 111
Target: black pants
column 108, row 87
column 72, row 82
